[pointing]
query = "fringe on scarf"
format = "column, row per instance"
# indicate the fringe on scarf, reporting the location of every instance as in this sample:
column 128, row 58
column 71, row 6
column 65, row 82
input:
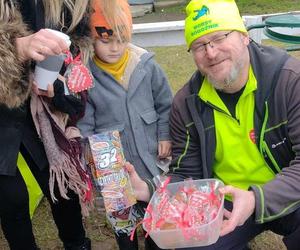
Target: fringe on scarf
column 65, row 164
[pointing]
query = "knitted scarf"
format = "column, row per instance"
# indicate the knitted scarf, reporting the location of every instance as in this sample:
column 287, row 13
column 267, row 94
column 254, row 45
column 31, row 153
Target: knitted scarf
column 63, row 151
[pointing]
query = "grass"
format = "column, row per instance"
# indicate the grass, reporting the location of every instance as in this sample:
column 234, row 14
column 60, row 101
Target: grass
column 247, row 7
column 180, row 8
column 266, row 6
column 177, row 64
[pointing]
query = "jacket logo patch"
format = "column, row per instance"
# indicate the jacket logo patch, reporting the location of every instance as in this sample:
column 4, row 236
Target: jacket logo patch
column 274, row 145
column 252, row 136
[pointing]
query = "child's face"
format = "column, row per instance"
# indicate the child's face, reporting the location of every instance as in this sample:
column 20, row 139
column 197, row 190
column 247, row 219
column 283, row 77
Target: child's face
column 110, row 49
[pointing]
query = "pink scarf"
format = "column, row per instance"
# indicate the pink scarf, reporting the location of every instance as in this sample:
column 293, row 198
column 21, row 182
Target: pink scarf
column 63, row 151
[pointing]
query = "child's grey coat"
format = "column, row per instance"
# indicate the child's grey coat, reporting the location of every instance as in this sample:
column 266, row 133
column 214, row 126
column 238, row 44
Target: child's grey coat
column 141, row 113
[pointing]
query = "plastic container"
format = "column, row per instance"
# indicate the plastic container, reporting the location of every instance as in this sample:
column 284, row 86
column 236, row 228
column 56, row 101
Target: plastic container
column 207, row 234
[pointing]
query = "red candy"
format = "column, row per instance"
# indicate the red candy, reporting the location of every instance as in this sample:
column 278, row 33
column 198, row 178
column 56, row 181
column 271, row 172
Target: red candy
column 191, row 206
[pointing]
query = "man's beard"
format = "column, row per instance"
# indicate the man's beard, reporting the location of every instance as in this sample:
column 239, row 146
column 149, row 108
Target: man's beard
column 229, row 80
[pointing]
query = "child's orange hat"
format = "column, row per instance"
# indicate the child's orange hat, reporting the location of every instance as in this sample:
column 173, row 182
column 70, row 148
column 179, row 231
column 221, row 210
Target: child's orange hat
column 119, row 23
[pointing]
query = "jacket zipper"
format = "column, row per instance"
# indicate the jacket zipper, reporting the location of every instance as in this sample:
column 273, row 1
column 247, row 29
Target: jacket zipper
column 263, row 146
column 222, row 111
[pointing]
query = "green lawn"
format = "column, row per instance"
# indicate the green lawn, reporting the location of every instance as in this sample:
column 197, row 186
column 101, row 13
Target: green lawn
column 177, row 64
column 247, row 7
column 266, row 6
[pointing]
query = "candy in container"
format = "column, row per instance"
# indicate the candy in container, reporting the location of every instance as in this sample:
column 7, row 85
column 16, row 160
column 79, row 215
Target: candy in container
column 185, row 214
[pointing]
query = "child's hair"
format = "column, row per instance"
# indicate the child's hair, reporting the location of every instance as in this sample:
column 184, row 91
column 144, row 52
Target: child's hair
column 54, row 13
column 114, row 15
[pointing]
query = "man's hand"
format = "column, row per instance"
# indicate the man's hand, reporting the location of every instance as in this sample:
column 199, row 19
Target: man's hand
column 164, row 149
column 139, row 186
column 243, row 207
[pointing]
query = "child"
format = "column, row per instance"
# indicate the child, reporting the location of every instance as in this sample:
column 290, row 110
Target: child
column 131, row 95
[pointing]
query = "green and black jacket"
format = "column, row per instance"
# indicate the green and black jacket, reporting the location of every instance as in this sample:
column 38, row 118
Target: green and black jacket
column 277, row 131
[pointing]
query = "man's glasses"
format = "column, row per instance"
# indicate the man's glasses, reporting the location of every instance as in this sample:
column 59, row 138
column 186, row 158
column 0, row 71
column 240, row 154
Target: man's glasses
column 214, row 43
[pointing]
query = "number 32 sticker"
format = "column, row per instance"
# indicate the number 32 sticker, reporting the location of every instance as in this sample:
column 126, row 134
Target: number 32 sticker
column 108, row 159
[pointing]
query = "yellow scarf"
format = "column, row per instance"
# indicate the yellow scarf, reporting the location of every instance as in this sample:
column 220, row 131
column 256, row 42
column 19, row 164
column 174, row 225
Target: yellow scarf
column 115, row 69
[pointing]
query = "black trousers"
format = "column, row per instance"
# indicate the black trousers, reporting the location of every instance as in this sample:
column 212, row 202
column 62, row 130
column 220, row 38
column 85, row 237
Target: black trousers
column 124, row 243
column 14, row 210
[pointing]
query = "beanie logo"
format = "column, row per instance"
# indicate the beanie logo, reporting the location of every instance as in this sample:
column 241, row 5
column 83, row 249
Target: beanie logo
column 203, row 11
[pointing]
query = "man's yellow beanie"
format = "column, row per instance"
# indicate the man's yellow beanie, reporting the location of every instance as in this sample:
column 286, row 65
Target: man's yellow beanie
column 207, row 16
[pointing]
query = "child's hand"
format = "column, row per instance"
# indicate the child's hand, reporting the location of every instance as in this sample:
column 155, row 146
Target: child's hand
column 139, row 186
column 164, row 149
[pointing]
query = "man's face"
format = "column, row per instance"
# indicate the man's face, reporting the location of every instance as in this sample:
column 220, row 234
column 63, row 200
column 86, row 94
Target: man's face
column 223, row 57
column 111, row 49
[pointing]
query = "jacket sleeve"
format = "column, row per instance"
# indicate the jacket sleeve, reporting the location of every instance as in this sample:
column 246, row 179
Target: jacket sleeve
column 186, row 157
column 87, row 123
column 73, row 106
column 281, row 196
column 14, row 74
column 162, row 101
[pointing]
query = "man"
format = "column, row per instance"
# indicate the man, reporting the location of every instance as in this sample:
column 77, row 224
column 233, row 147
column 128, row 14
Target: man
column 238, row 120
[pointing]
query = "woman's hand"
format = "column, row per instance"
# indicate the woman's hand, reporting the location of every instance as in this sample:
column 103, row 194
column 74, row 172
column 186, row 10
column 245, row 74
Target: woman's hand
column 40, row 45
column 49, row 92
column 50, row 88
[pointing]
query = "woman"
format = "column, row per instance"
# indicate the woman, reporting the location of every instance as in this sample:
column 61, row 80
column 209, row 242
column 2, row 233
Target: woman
column 23, row 41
